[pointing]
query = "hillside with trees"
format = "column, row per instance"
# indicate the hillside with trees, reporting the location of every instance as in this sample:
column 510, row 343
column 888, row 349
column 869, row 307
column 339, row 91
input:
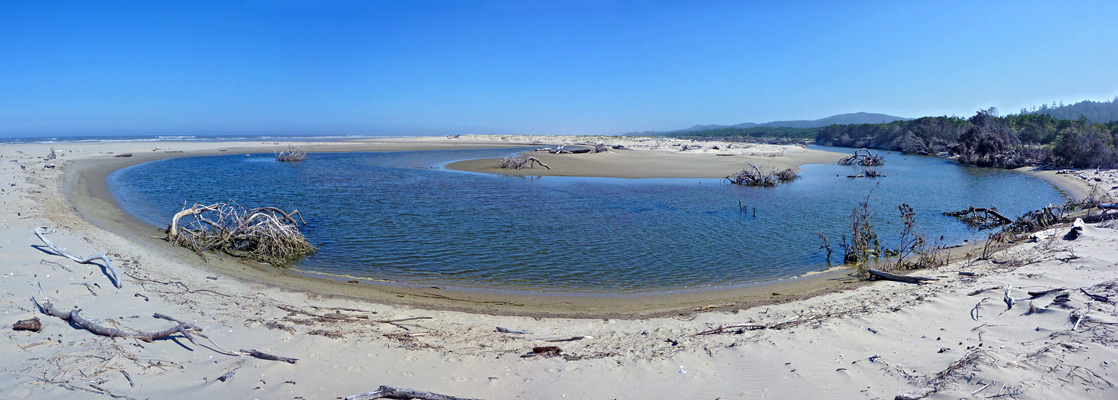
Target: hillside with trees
column 1094, row 111
column 989, row 140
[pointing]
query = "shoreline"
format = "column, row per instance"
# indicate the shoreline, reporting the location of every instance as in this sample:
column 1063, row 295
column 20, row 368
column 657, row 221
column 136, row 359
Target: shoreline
column 952, row 336
column 86, row 192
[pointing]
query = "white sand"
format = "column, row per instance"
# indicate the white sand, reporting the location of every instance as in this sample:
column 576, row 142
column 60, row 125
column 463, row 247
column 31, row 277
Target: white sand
column 874, row 341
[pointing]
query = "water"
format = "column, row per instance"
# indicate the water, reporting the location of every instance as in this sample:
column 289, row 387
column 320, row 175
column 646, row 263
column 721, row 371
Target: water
column 400, row 216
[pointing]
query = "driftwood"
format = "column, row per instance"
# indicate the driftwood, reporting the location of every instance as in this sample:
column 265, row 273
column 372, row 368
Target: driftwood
column 738, row 328
column 562, row 149
column 510, row 162
column 1039, row 219
column 753, row 175
column 41, row 231
column 980, row 216
column 265, row 234
column 863, row 157
column 1107, row 216
column 31, row 324
column 899, row 278
column 74, row 318
column 1095, row 297
column 228, row 375
column 388, row 392
column 265, row 356
column 513, row 331
column 1041, row 293
column 293, row 153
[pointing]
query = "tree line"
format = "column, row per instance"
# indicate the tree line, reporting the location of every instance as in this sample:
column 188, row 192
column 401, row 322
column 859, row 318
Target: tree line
column 989, row 140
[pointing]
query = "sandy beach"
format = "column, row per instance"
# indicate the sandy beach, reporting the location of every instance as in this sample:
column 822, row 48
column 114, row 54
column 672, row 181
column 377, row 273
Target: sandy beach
column 827, row 335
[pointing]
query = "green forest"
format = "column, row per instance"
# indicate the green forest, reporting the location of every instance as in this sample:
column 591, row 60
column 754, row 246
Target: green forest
column 989, row 140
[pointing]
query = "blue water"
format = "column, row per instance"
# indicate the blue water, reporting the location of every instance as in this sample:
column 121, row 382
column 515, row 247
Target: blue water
column 400, row 216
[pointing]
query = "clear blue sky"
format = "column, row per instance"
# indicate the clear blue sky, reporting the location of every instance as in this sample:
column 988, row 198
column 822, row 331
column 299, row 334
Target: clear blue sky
column 567, row 67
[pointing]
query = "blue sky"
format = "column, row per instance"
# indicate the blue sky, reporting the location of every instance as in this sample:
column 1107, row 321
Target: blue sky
column 565, row 67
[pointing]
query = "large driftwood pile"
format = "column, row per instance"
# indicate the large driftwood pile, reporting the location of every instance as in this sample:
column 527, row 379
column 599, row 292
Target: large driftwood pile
column 293, row 153
column 265, row 234
column 753, row 175
column 863, row 157
column 510, row 162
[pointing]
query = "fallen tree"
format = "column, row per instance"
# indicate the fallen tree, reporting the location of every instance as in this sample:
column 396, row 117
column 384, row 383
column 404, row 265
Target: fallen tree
column 265, row 234
column 980, row 217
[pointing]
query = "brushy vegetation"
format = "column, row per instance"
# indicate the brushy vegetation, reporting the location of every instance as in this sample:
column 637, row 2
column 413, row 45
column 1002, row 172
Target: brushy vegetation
column 863, row 249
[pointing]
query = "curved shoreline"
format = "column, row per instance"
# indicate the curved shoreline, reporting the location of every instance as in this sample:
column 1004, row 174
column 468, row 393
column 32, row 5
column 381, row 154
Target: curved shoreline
column 345, row 344
column 86, row 192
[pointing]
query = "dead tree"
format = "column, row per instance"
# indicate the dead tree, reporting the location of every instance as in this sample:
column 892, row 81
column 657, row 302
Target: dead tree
column 41, row 231
column 980, row 217
column 293, row 153
column 265, row 234
column 863, row 157
column 753, row 175
column 510, row 162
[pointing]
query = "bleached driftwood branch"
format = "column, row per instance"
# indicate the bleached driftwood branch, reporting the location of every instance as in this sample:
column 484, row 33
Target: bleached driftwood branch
column 388, row 392
column 40, row 231
column 74, row 317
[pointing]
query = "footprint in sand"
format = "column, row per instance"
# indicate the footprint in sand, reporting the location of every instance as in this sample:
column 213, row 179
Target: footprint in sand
column 370, row 354
column 411, row 358
column 460, row 379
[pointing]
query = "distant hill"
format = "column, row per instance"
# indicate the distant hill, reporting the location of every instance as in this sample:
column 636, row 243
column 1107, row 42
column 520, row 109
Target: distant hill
column 1095, row 111
column 841, row 119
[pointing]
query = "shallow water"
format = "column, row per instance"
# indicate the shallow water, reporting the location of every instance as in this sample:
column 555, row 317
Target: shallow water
column 400, row 216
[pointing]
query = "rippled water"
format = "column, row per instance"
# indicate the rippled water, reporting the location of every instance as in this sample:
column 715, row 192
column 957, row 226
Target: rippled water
column 399, row 216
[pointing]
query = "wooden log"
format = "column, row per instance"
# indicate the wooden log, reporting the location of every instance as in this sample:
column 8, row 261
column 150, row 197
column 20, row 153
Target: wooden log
column 900, row 278
column 74, row 317
column 388, row 392
column 1090, row 219
column 40, row 231
column 265, row 356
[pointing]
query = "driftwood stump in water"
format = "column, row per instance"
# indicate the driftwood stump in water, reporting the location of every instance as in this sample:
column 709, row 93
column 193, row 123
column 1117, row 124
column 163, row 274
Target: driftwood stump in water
column 753, row 175
column 293, row 153
column 864, row 158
